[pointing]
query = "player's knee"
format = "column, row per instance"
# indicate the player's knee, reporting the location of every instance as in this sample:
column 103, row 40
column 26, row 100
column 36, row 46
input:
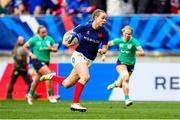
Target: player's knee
column 67, row 85
column 84, row 78
column 126, row 78
column 125, row 75
column 125, row 84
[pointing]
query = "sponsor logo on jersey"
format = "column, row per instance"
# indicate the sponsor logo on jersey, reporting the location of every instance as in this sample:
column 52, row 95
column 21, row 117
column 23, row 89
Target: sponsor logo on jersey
column 121, row 45
column 88, row 32
column 100, row 35
column 91, row 40
column 129, row 46
column 39, row 43
column 47, row 42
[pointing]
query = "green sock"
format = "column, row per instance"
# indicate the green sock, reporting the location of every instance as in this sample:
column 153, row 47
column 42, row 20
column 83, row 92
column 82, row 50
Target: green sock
column 50, row 92
column 126, row 97
column 115, row 85
column 31, row 92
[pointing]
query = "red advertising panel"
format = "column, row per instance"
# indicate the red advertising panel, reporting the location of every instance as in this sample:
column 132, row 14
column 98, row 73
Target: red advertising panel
column 20, row 87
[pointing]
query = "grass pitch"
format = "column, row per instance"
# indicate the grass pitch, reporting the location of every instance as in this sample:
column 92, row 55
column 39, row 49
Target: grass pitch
column 96, row 110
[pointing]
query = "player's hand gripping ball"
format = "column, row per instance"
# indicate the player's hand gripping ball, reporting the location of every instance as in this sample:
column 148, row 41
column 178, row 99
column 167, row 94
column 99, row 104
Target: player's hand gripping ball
column 68, row 37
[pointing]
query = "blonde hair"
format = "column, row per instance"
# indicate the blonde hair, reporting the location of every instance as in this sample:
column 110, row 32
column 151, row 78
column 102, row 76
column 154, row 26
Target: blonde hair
column 127, row 27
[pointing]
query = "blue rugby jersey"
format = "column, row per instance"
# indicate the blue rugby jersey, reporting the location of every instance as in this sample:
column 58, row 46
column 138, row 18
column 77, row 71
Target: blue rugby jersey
column 90, row 39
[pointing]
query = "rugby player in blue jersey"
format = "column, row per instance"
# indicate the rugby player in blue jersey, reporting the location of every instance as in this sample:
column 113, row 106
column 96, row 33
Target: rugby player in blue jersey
column 90, row 35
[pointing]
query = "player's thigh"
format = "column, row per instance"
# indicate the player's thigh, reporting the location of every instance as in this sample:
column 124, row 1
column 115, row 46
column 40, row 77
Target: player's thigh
column 83, row 71
column 44, row 70
column 123, row 71
column 121, row 68
column 71, row 79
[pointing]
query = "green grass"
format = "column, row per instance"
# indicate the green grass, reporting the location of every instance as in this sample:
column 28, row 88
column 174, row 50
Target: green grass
column 96, row 110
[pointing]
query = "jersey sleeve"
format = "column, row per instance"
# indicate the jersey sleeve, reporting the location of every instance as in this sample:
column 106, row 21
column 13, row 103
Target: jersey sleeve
column 31, row 41
column 80, row 28
column 52, row 42
column 136, row 43
column 116, row 41
column 105, row 38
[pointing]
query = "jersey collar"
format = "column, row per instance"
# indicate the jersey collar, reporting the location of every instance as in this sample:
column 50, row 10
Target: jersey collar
column 125, row 40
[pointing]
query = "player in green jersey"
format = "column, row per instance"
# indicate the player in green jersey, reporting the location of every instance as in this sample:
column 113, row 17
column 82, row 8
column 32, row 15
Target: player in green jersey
column 129, row 48
column 41, row 45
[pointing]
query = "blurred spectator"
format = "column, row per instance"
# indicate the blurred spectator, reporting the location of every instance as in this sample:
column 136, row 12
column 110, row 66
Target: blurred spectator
column 135, row 5
column 84, row 7
column 145, row 6
column 37, row 11
column 32, row 5
column 100, row 4
column 47, row 6
column 79, row 7
column 68, row 1
column 4, row 2
column 38, row 7
column 122, row 7
column 175, row 6
column 3, row 7
column 3, row 10
column 19, row 9
column 59, row 7
column 163, row 6
column 113, row 9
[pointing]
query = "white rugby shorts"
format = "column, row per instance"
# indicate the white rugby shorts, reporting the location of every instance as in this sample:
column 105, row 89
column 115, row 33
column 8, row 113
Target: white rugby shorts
column 78, row 57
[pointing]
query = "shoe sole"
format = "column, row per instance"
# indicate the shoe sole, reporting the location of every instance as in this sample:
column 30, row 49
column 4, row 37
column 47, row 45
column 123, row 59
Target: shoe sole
column 129, row 104
column 80, row 110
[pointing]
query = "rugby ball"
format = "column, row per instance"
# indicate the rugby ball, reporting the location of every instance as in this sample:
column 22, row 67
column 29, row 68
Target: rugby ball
column 68, row 36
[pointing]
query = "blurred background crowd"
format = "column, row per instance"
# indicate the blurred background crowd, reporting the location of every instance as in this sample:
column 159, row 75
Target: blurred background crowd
column 83, row 7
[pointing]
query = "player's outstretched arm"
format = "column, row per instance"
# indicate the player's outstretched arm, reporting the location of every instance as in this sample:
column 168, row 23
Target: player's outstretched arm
column 103, row 50
column 140, row 52
column 110, row 43
column 53, row 48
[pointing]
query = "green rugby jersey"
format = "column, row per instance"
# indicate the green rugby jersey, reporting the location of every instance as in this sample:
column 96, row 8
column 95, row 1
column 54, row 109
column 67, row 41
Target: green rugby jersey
column 127, row 50
column 40, row 47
